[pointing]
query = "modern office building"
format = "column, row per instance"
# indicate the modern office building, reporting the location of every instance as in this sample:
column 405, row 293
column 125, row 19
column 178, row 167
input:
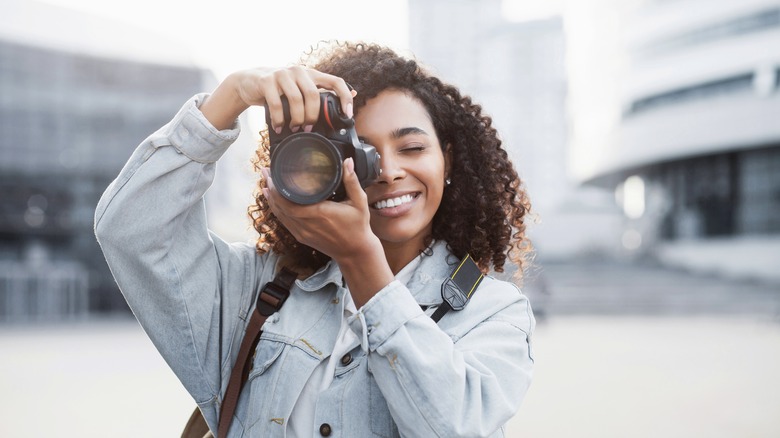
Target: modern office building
column 686, row 127
column 73, row 106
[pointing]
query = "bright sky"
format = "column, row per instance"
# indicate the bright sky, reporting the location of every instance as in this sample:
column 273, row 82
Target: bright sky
column 230, row 35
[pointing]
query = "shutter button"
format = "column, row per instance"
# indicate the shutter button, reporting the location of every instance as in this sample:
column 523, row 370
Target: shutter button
column 325, row 429
column 346, row 359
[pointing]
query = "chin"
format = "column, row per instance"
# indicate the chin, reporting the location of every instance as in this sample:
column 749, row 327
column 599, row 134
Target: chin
column 401, row 236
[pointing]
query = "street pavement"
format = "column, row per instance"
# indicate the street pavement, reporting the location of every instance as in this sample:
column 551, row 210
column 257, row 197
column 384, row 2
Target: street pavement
column 620, row 351
column 653, row 376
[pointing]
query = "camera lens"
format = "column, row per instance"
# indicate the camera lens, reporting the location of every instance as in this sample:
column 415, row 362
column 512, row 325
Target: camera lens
column 306, row 168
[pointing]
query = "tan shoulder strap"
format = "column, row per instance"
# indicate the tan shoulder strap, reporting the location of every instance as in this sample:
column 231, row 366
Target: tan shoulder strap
column 270, row 300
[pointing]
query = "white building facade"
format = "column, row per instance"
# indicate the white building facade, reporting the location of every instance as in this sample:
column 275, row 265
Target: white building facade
column 678, row 110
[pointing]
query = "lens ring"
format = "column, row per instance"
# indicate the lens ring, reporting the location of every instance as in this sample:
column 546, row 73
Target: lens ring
column 306, row 168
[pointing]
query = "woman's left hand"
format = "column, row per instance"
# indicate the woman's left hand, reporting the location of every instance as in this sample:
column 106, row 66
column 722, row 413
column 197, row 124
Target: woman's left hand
column 341, row 230
column 337, row 229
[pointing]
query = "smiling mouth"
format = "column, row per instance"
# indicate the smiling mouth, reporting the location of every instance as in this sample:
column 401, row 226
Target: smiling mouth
column 395, row 202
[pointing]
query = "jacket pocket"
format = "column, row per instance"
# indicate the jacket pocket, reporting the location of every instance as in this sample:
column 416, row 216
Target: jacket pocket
column 266, row 353
column 260, row 385
column 382, row 423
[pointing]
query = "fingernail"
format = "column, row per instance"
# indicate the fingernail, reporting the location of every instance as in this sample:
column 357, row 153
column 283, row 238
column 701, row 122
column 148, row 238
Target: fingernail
column 266, row 193
column 278, row 129
column 308, row 128
column 350, row 165
column 349, row 110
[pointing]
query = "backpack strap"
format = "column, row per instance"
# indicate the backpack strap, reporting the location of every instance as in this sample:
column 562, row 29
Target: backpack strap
column 270, row 300
column 456, row 290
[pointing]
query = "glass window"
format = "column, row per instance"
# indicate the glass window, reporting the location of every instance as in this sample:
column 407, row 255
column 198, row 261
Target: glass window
column 759, row 192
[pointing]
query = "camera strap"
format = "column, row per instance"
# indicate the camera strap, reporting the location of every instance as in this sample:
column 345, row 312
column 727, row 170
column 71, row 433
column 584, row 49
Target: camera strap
column 270, row 300
column 456, row 290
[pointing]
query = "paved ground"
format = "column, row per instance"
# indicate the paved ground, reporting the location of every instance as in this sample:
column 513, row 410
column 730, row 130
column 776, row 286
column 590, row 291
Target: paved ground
column 671, row 377
column 596, row 376
column 99, row 379
column 623, row 352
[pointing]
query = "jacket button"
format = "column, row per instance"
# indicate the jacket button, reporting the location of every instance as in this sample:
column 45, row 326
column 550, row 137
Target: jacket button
column 346, row 359
column 325, row 429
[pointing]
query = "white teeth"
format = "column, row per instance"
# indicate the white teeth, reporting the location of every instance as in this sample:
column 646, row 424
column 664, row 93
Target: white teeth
column 393, row 202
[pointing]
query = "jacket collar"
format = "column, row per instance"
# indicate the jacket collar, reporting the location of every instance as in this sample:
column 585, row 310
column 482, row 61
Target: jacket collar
column 329, row 273
column 425, row 284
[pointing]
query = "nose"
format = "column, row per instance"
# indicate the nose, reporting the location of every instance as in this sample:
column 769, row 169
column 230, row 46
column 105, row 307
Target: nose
column 390, row 169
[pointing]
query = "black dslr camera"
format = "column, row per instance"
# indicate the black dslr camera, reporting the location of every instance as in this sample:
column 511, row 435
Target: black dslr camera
column 306, row 167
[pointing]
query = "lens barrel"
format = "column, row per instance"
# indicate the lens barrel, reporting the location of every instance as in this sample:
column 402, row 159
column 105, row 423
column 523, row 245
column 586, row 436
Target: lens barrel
column 306, row 168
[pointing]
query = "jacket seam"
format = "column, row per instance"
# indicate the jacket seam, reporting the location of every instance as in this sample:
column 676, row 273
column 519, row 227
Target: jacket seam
column 181, row 293
column 115, row 189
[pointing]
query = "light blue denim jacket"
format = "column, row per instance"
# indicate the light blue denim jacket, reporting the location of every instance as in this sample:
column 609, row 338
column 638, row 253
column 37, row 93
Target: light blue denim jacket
column 192, row 293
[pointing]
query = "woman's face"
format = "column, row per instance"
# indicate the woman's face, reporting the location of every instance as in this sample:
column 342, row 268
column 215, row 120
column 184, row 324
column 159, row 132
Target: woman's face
column 405, row 197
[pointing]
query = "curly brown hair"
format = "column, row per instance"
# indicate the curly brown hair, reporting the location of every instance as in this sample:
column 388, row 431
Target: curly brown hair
column 482, row 211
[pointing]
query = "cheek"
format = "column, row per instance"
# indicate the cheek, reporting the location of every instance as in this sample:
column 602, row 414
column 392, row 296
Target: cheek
column 435, row 183
column 439, row 195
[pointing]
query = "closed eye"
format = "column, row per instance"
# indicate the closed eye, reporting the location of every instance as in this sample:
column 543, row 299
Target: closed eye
column 416, row 147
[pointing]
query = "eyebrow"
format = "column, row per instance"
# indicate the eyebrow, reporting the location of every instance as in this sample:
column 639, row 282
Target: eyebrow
column 401, row 132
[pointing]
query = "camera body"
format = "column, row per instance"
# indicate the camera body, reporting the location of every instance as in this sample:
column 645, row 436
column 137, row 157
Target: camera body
column 307, row 167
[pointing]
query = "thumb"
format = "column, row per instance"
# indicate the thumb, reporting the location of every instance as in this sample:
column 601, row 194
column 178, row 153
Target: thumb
column 351, row 181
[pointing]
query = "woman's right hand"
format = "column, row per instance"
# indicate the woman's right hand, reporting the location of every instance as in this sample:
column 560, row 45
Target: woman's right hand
column 261, row 86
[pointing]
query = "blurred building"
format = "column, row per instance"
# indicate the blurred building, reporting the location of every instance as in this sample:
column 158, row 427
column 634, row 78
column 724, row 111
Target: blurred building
column 517, row 71
column 687, row 126
column 77, row 95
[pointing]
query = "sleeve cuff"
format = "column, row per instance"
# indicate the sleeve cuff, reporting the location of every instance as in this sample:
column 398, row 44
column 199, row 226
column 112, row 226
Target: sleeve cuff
column 383, row 314
column 194, row 136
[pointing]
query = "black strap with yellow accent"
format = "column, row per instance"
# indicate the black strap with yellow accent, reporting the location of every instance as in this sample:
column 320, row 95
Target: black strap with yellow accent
column 456, row 291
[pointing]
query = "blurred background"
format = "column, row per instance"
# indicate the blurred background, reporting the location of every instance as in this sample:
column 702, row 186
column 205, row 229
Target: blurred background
column 647, row 133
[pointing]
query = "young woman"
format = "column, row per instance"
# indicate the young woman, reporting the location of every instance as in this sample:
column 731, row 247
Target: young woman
column 353, row 352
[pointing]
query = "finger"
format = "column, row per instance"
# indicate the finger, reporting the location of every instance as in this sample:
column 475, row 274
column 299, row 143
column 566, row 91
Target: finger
column 338, row 85
column 266, row 173
column 267, row 194
column 352, row 184
column 311, row 98
column 270, row 194
column 275, row 202
column 289, row 87
column 275, row 199
column 273, row 101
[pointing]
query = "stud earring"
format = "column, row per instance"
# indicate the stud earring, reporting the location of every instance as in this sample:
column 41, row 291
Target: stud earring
column 447, row 182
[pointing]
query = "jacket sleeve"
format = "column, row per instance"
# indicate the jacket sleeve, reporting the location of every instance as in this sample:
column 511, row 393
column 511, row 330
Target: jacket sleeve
column 189, row 290
column 467, row 381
